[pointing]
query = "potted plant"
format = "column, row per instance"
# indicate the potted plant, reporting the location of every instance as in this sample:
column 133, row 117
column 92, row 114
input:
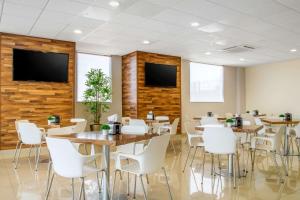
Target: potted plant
column 51, row 119
column 229, row 122
column 97, row 95
column 282, row 116
column 105, row 128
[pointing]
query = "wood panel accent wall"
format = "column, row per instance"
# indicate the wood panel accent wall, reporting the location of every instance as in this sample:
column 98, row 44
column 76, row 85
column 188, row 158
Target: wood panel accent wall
column 138, row 100
column 34, row 101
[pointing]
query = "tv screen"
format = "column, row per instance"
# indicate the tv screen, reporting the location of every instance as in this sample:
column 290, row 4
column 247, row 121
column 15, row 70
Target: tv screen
column 160, row 75
column 40, row 66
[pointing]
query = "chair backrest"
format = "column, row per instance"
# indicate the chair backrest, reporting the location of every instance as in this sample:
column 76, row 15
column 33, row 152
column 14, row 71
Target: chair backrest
column 219, row 140
column 277, row 146
column 297, row 130
column 125, row 120
column 208, row 120
column 29, row 133
column 162, row 118
column 260, row 123
column 113, row 118
column 153, row 156
column 67, row 162
column 248, row 117
column 132, row 129
column 137, row 122
column 80, row 125
column 174, row 126
column 17, row 126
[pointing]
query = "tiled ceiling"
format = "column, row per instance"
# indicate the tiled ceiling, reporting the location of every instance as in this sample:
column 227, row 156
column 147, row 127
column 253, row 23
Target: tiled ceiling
column 272, row 27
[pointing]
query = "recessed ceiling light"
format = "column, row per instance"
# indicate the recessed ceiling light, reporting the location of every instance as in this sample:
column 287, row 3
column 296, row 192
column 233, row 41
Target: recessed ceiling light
column 293, row 50
column 242, row 59
column 194, row 24
column 114, row 4
column 221, row 42
column 208, row 53
column 77, row 31
column 146, row 42
column 212, row 28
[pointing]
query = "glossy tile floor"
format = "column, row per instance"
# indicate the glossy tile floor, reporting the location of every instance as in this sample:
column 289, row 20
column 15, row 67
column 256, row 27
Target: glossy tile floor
column 263, row 183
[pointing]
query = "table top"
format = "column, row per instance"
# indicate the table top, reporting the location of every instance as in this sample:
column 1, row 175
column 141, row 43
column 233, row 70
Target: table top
column 219, row 118
column 97, row 138
column 245, row 128
column 280, row 121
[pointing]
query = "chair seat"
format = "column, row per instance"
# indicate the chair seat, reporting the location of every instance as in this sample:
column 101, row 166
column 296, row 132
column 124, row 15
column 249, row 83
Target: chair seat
column 89, row 170
column 133, row 167
column 263, row 147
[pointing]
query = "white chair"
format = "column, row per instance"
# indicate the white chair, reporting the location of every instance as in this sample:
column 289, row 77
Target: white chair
column 69, row 163
column 138, row 122
column 160, row 121
column 19, row 137
column 147, row 162
column 172, row 129
column 125, row 120
column 131, row 148
column 194, row 141
column 296, row 131
column 220, row 141
column 209, row 120
column 29, row 134
column 273, row 146
column 80, row 125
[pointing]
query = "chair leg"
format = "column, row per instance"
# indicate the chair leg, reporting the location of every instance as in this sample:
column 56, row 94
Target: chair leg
column 37, row 157
column 83, row 188
column 49, row 172
column 134, row 188
column 50, row 185
column 29, row 154
column 277, row 166
column 187, row 157
column 141, row 179
column 16, row 151
column 212, row 164
column 234, row 173
column 147, row 179
column 18, row 156
column 284, row 166
column 170, row 193
column 173, row 146
column 203, row 163
column 113, row 185
column 253, row 159
column 193, row 157
column 73, row 194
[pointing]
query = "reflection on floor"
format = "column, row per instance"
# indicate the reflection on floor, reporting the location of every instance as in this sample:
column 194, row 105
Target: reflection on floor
column 263, row 183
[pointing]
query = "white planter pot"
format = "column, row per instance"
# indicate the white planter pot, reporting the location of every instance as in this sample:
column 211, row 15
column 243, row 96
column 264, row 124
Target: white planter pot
column 49, row 122
column 229, row 124
column 104, row 132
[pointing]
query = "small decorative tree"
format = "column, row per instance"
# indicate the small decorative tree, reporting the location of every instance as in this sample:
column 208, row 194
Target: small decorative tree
column 97, row 94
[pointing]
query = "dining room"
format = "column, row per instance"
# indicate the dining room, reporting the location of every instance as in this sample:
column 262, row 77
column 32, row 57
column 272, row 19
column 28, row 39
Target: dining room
column 153, row 100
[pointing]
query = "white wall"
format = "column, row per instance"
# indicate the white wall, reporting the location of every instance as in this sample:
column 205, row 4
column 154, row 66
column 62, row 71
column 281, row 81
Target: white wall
column 233, row 94
column 274, row 88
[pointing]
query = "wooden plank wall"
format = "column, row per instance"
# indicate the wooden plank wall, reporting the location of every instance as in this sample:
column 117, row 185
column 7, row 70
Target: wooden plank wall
column 162, row 101
column 129, row 85
column 34, row 101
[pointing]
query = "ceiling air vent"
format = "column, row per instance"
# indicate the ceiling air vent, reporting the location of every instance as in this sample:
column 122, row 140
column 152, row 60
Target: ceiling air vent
column 238, row 49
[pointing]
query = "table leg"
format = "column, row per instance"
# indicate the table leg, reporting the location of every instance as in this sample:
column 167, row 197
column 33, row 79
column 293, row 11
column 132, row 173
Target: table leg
column 106, row 161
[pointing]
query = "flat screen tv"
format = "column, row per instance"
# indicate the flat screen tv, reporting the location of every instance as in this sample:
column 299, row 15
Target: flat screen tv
column 159, row 75
column 40, row 66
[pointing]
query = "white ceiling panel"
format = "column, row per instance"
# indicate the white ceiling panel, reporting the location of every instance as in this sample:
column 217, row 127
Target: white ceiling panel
column 66, row 6
column 271, row 26
column 145, row 9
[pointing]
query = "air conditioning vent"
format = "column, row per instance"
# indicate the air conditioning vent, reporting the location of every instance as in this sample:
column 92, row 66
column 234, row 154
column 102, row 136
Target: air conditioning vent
column 238, row 49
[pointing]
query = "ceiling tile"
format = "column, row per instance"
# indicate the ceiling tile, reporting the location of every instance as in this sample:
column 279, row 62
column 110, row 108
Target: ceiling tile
column 18, row 10
column 144, row 9
column 66, row 6
column 175, row 17
column 13, row 24
column 32, row 3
